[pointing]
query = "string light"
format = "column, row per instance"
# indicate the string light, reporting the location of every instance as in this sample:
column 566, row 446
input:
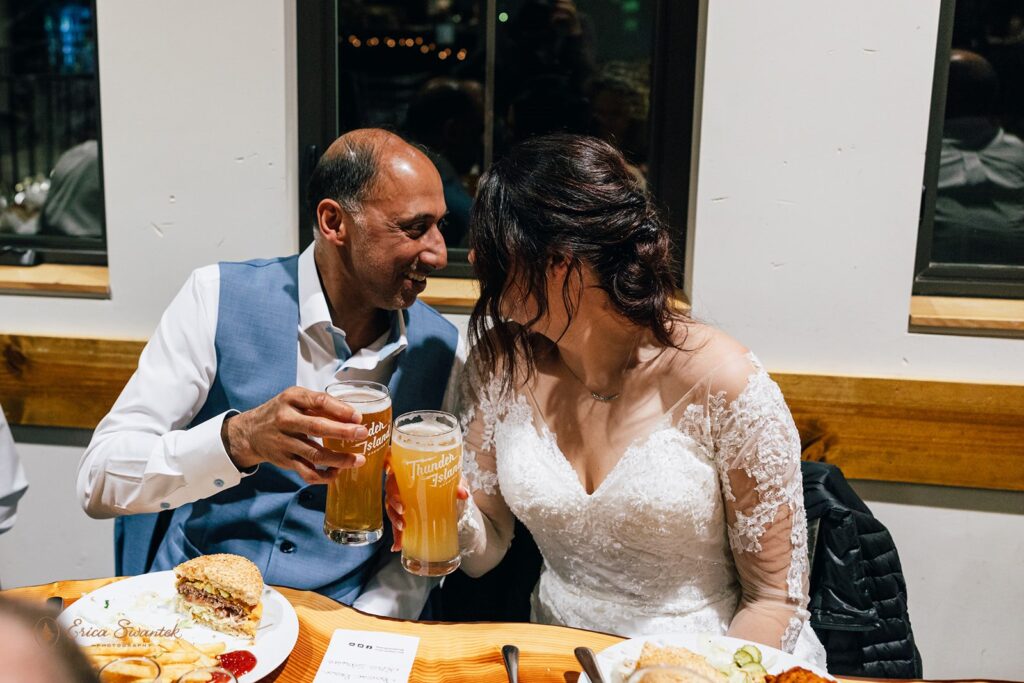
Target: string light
column 425, row 48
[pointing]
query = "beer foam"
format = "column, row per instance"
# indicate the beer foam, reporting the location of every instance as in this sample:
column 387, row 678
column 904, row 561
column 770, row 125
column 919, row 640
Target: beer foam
column 428, row 435
column 363, row 399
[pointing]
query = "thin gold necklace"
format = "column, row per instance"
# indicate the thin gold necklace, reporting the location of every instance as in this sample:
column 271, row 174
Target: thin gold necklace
column 603, row 398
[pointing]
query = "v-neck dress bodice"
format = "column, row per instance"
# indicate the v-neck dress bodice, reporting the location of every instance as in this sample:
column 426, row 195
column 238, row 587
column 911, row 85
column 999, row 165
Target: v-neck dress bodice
column 698, row 519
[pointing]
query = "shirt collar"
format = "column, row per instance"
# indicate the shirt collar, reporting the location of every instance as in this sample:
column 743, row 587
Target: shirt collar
column 313, row 312
column 313, row 308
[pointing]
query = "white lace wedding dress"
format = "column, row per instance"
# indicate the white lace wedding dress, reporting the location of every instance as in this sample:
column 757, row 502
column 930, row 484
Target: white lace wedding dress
column 698, row 527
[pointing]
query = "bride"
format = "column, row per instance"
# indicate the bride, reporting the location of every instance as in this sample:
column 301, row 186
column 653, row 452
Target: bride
column 651, row 457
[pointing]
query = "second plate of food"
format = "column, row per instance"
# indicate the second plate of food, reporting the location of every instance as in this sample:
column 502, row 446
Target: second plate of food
column 719, row 655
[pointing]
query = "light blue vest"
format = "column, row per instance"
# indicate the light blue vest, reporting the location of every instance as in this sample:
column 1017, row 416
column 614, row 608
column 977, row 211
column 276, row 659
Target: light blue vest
column 273, row 517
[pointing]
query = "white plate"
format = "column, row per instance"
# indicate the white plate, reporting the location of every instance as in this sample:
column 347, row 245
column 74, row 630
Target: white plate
column 147, row 601
column 622, row 656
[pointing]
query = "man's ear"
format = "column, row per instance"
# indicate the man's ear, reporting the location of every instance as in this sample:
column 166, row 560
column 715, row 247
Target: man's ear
column 333, row 222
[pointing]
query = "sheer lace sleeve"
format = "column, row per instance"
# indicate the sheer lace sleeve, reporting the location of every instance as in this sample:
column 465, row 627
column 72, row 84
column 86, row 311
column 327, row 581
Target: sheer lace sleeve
column 758, row 456
column 486, row 525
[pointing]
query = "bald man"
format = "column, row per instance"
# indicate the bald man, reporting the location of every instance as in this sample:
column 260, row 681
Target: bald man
column 213, row 446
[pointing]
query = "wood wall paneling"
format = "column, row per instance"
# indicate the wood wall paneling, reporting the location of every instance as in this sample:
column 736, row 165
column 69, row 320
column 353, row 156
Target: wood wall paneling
column 63, row 382
column 944, row 433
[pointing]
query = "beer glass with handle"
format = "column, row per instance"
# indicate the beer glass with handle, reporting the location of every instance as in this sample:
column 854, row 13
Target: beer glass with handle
column 354, row 512
column 426, row 458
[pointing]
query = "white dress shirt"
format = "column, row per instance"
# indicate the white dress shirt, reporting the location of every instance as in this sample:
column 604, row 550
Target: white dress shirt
column 142, row 459
column 13, row 483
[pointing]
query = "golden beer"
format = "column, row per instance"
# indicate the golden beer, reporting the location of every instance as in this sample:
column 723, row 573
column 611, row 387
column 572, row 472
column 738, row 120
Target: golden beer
column 426, row 457
column 354, row 512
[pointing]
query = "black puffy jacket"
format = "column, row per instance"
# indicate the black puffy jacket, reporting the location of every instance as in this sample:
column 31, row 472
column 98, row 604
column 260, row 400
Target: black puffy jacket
column 858, row 595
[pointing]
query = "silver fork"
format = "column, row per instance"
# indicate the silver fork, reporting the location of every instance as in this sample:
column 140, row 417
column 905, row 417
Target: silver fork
column 510, row 653
column 585, row 656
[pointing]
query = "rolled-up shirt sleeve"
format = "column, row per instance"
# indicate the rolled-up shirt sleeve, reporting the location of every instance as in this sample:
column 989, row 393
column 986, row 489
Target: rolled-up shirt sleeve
column 141, row 457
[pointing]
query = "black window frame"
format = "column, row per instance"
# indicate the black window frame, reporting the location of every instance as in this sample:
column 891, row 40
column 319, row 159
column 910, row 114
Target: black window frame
column 949, row 279
column 673, row 81
column 30, row 250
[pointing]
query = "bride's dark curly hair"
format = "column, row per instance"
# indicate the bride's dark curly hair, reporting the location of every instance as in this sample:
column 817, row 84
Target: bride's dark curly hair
column 567, row 198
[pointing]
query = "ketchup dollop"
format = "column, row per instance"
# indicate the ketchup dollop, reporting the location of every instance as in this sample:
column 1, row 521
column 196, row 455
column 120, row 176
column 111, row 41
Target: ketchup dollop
column 237, row 662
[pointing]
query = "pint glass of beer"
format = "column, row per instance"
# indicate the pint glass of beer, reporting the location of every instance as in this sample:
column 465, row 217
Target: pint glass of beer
column 354, row 513
column 426, row 458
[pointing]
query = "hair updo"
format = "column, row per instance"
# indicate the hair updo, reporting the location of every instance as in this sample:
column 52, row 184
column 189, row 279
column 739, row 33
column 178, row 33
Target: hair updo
column 573, row 198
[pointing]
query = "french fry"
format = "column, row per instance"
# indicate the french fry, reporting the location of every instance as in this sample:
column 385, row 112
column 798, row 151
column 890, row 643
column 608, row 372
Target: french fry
column 199, row 677
column 173, row 672
column 131, row 671
column 204, row 660
column 121, row 650
column 213, row 649
column 177, row 658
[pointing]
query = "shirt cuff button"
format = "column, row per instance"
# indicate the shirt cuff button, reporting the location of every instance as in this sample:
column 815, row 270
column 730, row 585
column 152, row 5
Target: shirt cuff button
column 165, row 506
column 218, row 482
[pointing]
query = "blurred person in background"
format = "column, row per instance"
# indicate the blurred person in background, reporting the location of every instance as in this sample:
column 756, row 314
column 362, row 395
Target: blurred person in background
column 447, row 117
column 979, row 208
column 71, row 199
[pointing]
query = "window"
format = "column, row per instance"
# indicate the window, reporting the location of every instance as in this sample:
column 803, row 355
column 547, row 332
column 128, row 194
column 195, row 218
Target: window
column 51, row 195
column 469, row 78
column 971, row 241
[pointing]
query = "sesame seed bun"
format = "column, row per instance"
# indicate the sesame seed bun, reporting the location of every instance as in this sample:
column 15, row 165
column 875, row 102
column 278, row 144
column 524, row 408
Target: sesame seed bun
column 232, row 573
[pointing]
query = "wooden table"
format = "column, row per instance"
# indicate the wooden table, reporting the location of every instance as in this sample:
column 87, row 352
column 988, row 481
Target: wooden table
column 448, row 652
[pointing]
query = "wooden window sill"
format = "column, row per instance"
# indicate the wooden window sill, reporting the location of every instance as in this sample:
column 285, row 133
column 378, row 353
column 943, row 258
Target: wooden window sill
column 459, row 295
column 55, row 279
column 970, row 316
column 451, row 294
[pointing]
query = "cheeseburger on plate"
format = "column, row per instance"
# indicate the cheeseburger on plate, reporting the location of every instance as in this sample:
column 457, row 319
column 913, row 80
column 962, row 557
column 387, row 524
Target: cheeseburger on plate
column 221, row 591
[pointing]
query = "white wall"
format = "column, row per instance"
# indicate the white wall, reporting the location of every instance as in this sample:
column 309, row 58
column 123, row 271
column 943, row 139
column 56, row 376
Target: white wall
column 804, row 231
column 198, row 110
column 52, row 538
column 810, row 163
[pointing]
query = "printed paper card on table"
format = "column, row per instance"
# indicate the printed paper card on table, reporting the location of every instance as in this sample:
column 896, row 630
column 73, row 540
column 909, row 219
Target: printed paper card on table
column 367, row 656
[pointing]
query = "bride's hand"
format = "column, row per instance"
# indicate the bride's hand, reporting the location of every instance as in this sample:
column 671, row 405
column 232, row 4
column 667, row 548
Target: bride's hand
column 396, row 511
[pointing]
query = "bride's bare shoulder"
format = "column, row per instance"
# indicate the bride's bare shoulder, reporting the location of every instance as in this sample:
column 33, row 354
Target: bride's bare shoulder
column 710, row 353
column 706, row 347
